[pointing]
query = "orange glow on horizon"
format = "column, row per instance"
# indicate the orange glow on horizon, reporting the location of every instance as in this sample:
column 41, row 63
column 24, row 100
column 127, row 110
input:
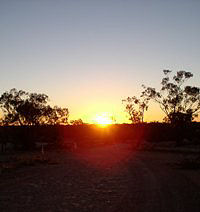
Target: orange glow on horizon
column 105, row 114
column 103, row 120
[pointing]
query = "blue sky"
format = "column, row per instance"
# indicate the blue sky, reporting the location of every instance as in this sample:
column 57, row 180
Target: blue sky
column 88, row 55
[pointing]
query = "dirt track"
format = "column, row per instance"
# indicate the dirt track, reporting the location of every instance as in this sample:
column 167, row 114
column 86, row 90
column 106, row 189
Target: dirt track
column 112, row 178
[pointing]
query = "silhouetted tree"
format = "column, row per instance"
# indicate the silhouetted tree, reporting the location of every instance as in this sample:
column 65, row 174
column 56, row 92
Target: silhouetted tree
column 23, row 108
column 179, row 103
column 135, row 108
column 55, row 116
column 77, row 122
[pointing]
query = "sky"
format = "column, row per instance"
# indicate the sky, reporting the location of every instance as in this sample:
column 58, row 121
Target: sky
column 88, row 55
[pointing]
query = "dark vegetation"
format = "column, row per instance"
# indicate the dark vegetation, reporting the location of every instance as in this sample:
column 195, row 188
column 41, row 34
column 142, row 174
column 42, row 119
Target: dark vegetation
column 24, row 108
column 86, row 136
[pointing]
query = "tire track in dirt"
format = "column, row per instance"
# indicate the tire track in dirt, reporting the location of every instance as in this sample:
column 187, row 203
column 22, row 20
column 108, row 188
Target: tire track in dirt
column 154, row 187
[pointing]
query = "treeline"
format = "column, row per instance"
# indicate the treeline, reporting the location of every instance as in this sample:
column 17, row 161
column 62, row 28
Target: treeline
column 21, row 108
column 27, row 137
column 179, row 102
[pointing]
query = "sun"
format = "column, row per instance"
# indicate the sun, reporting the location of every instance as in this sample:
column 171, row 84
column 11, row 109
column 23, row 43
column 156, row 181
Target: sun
column 103, row 120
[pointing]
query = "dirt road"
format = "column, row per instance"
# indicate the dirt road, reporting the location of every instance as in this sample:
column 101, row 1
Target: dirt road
column 112, row 178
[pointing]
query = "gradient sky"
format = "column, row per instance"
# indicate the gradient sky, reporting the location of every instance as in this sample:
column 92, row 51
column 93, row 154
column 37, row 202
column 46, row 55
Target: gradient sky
column 88, row 55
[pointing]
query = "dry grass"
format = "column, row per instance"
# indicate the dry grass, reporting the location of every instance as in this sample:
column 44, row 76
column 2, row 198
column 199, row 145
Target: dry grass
column 25, row 160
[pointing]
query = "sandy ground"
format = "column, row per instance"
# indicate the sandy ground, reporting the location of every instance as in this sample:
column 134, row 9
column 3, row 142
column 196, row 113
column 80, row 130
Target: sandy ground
column 112, row 178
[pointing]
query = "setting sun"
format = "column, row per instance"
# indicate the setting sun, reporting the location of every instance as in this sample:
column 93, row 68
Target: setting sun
column 103, row 120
